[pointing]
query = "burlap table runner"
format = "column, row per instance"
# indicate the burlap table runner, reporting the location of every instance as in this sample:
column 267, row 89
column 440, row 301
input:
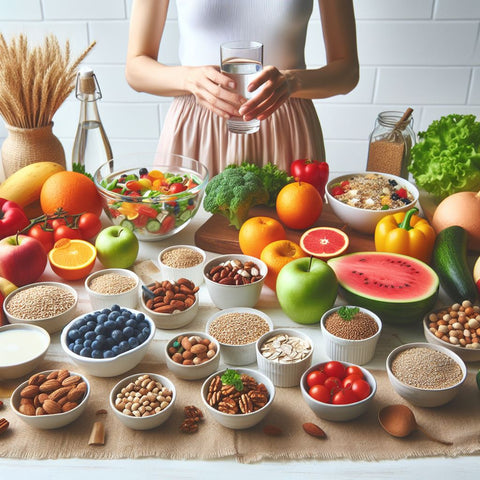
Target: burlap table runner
column 360, row 439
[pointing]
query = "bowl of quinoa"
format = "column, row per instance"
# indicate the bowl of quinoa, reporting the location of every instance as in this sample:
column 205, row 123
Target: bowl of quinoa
column 182, row 261
column 237, row 331
column 424, row 374
column 350, row 334
column 362, row 199
column 50, row 305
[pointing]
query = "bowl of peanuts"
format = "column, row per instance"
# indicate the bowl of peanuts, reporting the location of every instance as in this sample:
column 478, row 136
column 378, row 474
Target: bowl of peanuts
column 235, row 280
column 143, row 401
column 171, row 304
column 192, row 355
column 51, row 399
column 456, row 327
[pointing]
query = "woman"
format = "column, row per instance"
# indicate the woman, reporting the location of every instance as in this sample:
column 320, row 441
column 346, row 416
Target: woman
column 195, row 125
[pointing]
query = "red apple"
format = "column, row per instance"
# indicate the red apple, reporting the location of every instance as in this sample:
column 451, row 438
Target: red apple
column 22, row 259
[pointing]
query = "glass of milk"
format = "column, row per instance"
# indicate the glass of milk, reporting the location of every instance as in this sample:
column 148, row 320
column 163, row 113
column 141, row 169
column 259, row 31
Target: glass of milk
column 242, row 61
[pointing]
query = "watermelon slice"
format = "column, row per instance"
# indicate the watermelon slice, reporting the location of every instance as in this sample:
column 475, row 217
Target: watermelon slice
column 398, row 288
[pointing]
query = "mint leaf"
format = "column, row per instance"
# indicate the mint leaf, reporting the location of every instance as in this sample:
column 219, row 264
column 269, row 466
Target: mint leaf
column 347, row 313
column 232, row 377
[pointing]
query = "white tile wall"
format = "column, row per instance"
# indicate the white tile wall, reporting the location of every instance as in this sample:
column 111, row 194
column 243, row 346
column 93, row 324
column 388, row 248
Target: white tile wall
column 419, row 53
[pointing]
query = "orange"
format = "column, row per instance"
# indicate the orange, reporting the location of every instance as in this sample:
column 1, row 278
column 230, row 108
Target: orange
column 276, row 255
column 257, row 232
column 72, row 259
column 299, row 205
column 72, row 191
column 324, row 242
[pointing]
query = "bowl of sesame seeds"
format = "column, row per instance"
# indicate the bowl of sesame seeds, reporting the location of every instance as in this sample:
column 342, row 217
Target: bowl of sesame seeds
column 182, row 261
column 50, row 305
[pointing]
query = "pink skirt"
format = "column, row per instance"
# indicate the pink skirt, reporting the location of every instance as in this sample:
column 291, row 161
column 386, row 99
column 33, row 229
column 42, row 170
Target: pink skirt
column 292, row 132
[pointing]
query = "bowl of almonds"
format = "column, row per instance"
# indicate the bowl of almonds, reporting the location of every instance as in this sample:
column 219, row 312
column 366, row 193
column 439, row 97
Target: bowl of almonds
column 51, row 399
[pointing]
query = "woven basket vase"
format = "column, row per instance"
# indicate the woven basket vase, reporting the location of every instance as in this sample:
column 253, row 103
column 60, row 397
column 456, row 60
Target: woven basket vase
column 24, row 146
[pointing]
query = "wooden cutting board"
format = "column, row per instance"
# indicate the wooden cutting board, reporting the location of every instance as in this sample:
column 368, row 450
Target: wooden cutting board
column 215, row 235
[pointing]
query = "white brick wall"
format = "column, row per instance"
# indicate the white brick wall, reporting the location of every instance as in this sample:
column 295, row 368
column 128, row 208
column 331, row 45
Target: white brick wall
column 419, row 53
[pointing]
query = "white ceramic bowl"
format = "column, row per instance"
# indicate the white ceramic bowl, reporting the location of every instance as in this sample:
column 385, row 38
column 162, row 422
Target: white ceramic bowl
column 333, row 412
column 55, row 420
column 360, row 219
column 108, row 367
column 193, row 372
column 228, row 296
column 240, row 421
column 283, row 374
column 143, row 423
column 50, row 324
column 193, row 273
column 239, row 354
column 466, row 354
column 171, row 321
column 128, row 299
column 357, row 352
column 422, row 397
column 22, row 349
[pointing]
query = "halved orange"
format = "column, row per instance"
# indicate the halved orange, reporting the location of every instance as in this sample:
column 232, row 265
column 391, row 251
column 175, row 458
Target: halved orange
column 324, row 242
column 72, row 259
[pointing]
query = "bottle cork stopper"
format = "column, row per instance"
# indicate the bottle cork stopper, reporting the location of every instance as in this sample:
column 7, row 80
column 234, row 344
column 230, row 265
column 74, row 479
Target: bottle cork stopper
column 87, row 85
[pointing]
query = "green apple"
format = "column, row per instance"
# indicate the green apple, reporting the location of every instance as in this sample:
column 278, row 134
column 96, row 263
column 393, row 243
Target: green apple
column 306, row 288
column 117, row 247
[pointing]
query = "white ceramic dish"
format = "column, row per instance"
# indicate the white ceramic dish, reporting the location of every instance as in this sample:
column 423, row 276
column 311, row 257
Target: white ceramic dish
column 193, row 372
column 229, row 296
column 23, row 349
column 193, row 273
column 358, row 352
column 283, row 374
column 238, row 354
column 109, row 367
column 143, row 423
column 128, row 299
column 50, row 324
column 56, row 420
column 361, row 219
column 422, row 397
column 240, row 421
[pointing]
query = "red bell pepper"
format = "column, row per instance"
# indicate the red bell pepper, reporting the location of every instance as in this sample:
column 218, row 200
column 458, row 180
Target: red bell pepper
column 311, row 171
column 12, row 218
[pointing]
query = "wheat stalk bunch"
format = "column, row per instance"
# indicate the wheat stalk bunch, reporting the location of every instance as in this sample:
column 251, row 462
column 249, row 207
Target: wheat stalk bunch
column 34, row 82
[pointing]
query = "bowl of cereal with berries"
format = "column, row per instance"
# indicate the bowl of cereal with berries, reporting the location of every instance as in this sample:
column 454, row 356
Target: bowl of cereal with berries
column 361, row 200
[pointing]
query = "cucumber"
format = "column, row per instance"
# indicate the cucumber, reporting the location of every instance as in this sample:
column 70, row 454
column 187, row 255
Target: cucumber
column 127, row 224
column 449, row 260
column 153, row 225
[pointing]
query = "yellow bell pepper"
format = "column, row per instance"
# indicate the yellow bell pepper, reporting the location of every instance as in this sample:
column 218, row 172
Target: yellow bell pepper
column 405, row 233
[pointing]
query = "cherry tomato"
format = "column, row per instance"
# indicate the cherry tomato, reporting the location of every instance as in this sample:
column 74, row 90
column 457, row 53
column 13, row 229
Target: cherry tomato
column 344, row 397
column 361, row 389
column 167, row 224
column 354, row 370
column 176, row 188
column 320, row 393
column 349, row 379
column 44, row 236
column 89, row 225
column 66, row 232
column 333, row 384
column 335, row 369
column 316, row 378
column 57, row 222
column 337, row 191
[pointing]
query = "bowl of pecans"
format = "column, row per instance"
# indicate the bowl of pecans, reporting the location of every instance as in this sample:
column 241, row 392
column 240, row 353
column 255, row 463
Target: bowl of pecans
column 171, row 304
column 182, row 261
column 238, row 399
column 143, row 401
column 235, row 280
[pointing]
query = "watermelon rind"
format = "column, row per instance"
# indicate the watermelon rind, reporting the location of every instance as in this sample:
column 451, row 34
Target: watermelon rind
column 409, row 309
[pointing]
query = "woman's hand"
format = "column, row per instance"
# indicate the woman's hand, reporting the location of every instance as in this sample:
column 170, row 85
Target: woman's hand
column 213, row 90
column 275, row 92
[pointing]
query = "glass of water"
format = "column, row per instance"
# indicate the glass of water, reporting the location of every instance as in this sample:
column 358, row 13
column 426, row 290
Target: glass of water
column 242, row 61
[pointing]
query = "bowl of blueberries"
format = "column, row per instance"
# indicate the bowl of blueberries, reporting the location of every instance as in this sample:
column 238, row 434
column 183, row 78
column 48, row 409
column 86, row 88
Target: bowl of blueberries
column 108, row 342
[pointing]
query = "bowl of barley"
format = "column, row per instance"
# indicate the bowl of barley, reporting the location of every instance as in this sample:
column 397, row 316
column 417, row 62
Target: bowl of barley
column 182, row 261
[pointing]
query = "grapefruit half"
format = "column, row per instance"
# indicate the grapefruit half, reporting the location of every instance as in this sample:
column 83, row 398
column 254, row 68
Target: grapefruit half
column 324, row 242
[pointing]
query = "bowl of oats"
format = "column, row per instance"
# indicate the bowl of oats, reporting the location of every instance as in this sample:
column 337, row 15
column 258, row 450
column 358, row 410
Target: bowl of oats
column 362, row 199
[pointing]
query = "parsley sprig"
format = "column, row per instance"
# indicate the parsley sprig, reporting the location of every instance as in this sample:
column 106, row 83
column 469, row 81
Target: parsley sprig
column 232, row 377
column 347, row 313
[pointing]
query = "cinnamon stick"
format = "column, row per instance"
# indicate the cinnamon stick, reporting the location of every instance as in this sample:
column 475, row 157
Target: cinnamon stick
column 97, row 435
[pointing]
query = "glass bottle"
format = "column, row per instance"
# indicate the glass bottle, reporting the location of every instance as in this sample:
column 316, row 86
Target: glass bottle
column 390, row 143
column 91, row 147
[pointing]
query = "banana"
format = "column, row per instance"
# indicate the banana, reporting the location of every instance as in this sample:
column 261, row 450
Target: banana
column 24, row 186
column 6, row 286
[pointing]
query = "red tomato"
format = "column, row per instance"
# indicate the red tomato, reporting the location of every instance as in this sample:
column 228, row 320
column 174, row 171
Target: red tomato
column 44, row 236
column 176, row 188
column 316, row 378
column 335, row 369
column 57, row 222
column 167, row 224
column 333, row 384
column 320, row 393
column 66, row 232
column 349, row 379
column 89, row 225
column 344, row 397
column 354, row 370
column 361, row 389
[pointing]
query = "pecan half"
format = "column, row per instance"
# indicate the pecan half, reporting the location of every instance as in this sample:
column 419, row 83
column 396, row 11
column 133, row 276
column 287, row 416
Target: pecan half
column 189, row 425
column 3, row 425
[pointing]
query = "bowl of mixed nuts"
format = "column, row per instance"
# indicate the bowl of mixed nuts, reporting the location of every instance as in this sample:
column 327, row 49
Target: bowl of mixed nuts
column 235, row 280
column 238, row 398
